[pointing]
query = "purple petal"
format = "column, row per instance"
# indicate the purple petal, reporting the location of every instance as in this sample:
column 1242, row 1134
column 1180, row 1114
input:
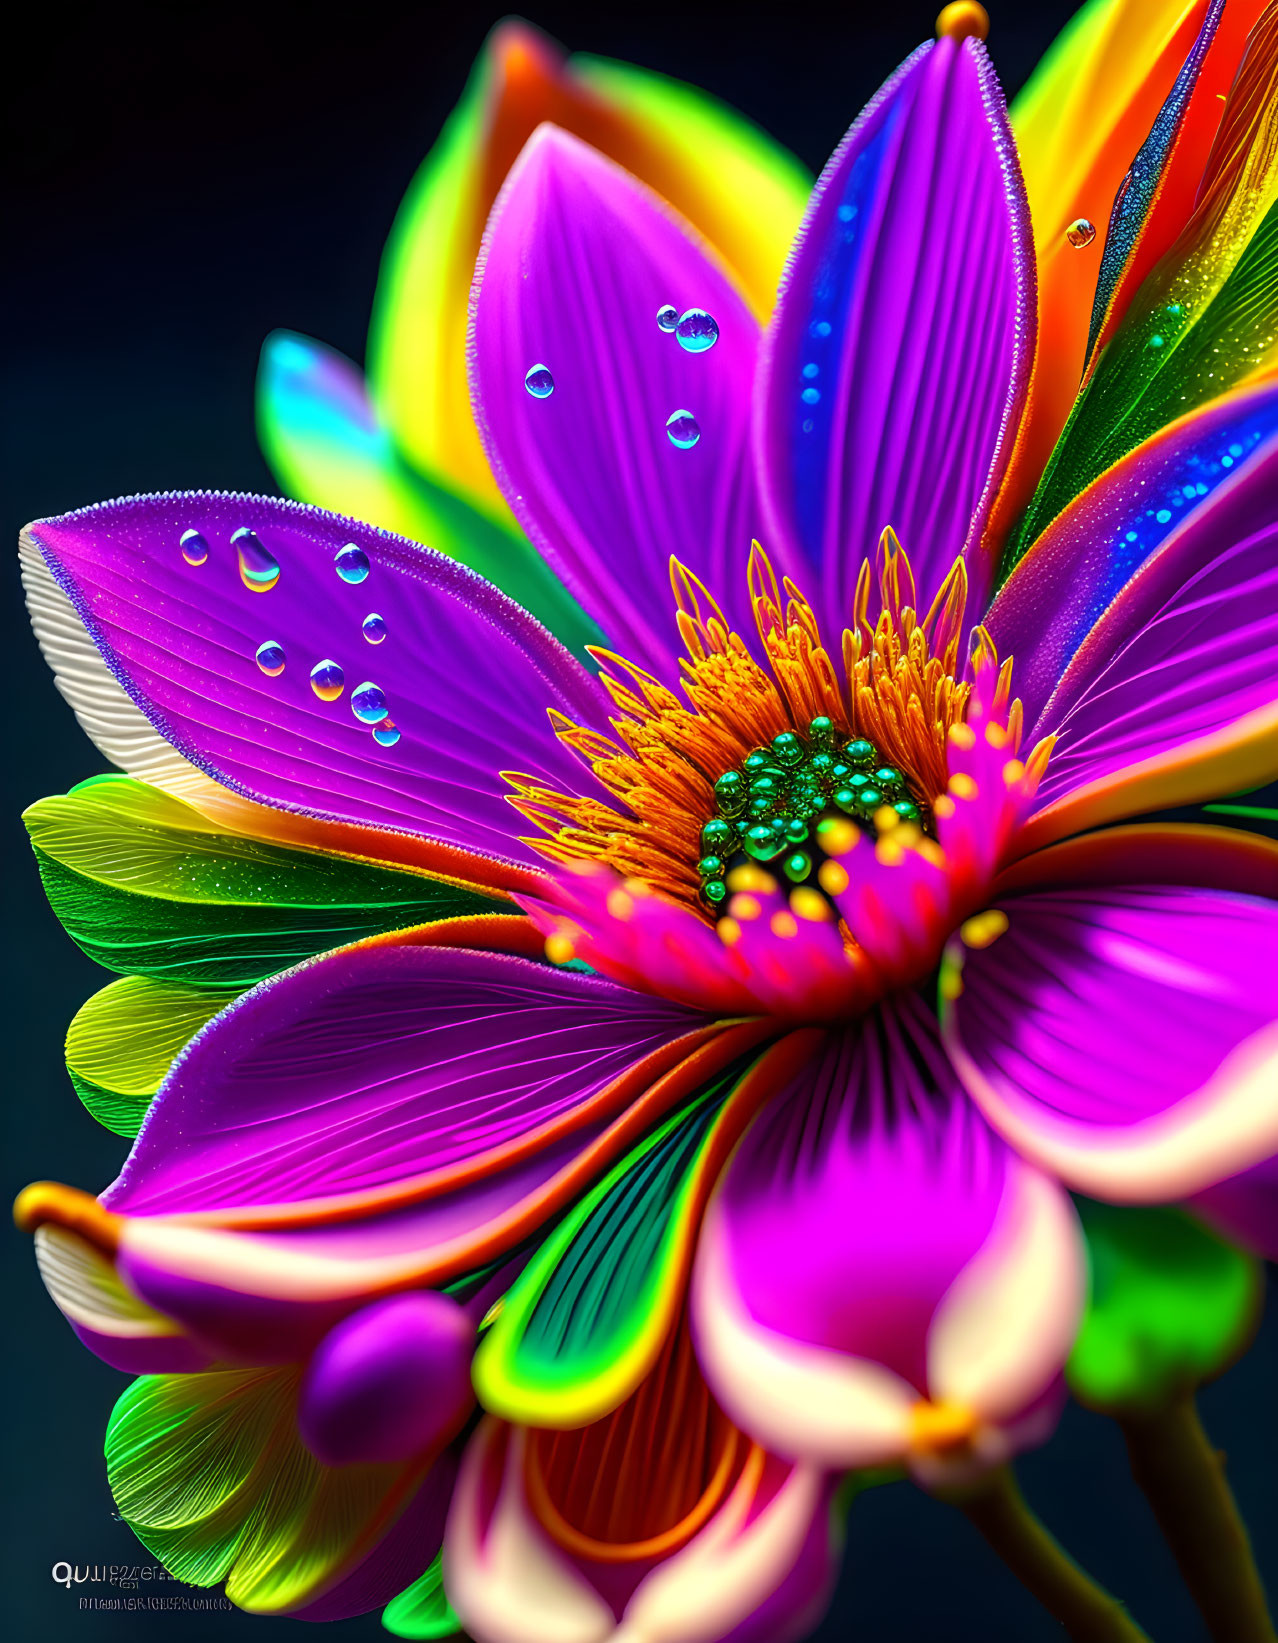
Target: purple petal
column 874, row 1245
column 373, row 1066
column 577, row 260
column 1103, row 568
column 899, row 353
column 466, row 676
column 1125, row 1037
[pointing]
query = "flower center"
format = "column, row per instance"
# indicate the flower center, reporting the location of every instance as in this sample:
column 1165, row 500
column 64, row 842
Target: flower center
column 775, row 805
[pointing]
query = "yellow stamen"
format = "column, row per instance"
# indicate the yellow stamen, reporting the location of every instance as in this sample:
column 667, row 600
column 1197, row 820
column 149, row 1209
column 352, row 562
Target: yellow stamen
column 832, row 877
column 784, row 925
column 810, row 905
column 937, row 1427
column 559, row 949
column 983, row 929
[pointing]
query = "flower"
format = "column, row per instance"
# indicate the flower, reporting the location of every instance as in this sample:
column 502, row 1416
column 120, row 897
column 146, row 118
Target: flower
column 857, row 960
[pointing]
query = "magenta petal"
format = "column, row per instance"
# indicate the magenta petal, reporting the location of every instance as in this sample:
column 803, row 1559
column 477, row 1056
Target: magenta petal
column 898, row 356
column 372, row 1066
column 1126, row 1037
column 464, row 675
column 1104, row 567
column 577, row 261
column 869, row 1215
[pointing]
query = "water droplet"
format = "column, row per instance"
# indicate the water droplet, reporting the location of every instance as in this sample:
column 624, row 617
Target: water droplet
column 259, row 570
column 327, row 680
column 811, row 396
column 386, row 734
column 1163, row 516
column 819, row 328
column 1081, row 232
column 351, row 563
column 667, row 317
column 539, row 382
column 368, row 703
column 697, row 331
column 845, row 213
column 374, row 627
column 270, row 658
column 682, row 428
column 811, row 371
column 1156, row 341
column 195, row 550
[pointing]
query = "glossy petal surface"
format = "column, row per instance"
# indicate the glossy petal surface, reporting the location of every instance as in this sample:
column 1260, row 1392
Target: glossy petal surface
column 465, row 675
column 577, row 260
column 1126, row 1037
column 901, row 343
column 875, row 1247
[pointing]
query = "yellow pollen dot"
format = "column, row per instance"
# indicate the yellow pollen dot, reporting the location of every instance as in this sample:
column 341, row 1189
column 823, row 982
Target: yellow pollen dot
column 784, row 925
column 620, row 905
column 936, row 1427
column 729, row 931
column 745, row 908
column 559, row 949
column 982, row 929
column 1013, row 772
column 833, row 878
column 886, row 819
column 889, row 853
column 836, row 836
column 751, row 878
column 963, row 736
column 943, row 807
column 995, row 735
column 811, row 905
column 962, row 786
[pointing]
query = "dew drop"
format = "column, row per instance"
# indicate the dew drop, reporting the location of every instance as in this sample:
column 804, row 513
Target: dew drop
column 811, row 396
column 386, row 734
column 270, row 658
column 195, row 550
column 327, row 680
column 259, row 569
column 697, row 331
column 368, row 703
column 682, row 429
column 374, row 628
column 539, row 382
column 667, row 317
column 351, row 563
column 1080, row 233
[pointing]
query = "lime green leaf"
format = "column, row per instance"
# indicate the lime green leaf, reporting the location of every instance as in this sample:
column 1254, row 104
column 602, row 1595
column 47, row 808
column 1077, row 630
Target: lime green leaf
column 122, row 1042
column 423, row 1609
column 148, row 886
column 210, row 1474
column 588, row 1314
column 1171, row 1305
column 326, row 446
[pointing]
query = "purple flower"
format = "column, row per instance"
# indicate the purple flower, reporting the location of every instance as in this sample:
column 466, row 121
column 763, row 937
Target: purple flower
column 786, row 1172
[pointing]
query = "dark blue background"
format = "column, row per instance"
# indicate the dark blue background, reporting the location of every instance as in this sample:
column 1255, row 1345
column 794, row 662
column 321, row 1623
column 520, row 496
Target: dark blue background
column 184, row 184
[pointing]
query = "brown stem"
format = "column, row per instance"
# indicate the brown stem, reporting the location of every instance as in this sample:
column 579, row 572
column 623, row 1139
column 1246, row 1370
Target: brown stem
column 1087, row 1611
column 1183, row 1479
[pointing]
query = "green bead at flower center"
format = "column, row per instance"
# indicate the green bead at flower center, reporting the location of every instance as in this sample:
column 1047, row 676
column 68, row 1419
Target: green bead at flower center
column 769, row 808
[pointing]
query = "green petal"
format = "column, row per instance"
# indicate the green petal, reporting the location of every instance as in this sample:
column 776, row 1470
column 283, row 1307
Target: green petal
column 1171, row 1305
column 586, row 1318
column 148, row 886
column 123, row 1041
column 422, row 1610
column 210, row 1474
column 326, row 446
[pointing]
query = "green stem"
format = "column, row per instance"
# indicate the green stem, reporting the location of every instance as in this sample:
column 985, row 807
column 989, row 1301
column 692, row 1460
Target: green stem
column 1087, row 1611
column 1183, row 1479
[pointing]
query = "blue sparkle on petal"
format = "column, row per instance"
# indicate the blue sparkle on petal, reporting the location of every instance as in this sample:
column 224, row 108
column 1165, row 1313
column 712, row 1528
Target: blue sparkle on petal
column 819, row 328
column 810, row 371
column 1226, row 461
column 1235, row 450
column 811, row 396
column 846, row 213
column 1132, row 536
column 1163, row 515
